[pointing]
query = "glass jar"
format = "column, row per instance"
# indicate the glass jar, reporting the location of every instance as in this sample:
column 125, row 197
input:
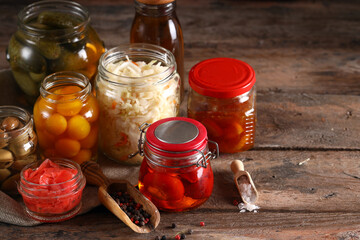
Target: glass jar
column 222, row 97
column 156, row 22
column 52, row 36
column 176, row 174
column 127, row 99
column 18, row 143
column 66, row 117
column 52, row 190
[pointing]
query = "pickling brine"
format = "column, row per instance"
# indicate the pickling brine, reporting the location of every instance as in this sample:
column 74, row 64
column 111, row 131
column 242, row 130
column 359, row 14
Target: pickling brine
column 136, row 83
column 176, row 173
column 52, row 36
column 222, row 97
column 66, row 117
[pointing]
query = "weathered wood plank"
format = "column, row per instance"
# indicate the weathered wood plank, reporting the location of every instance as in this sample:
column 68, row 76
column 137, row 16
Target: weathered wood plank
column 316, row 200
column 307, row 121
column 293, row 46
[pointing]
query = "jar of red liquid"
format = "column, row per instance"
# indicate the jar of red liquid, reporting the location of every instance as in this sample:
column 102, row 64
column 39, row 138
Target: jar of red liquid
column 66, row 117
column 176, row 174
column 52, row 190
column 222, row 98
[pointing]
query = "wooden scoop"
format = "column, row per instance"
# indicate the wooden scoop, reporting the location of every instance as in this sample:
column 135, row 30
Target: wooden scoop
column 244, row 183
column 95, row 176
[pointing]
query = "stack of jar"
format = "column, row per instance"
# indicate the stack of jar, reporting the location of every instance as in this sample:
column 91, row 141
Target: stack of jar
column 135, row 84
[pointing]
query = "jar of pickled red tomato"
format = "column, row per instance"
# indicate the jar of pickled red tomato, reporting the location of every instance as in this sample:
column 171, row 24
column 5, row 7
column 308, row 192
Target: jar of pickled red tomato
column 222, row 98
column 176, row 174
column 66, row 117
column 52, row 36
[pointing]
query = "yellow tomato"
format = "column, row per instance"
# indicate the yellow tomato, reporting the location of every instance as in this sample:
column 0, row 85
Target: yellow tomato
column 91, row 139
column 78, row 127
column 67, row 147
column 56, row 124
column 83, row 156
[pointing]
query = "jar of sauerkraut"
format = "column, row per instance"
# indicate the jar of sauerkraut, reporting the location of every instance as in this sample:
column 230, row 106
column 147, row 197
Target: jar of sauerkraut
column 136, row 83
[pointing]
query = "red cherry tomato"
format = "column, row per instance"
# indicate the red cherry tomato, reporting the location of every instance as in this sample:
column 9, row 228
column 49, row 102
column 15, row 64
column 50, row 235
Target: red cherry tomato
column 164, row 186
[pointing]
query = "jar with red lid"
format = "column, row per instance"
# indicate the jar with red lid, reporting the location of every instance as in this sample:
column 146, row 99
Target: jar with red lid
column 222, row 98
column 176, row 174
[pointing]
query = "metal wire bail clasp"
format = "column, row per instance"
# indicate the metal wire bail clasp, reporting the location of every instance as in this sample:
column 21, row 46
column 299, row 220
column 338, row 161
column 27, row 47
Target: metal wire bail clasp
column 141, row 141
column 208, row 156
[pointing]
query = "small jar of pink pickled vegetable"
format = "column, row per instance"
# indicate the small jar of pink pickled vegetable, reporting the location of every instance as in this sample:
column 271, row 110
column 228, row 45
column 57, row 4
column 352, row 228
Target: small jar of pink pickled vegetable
column 52, row 190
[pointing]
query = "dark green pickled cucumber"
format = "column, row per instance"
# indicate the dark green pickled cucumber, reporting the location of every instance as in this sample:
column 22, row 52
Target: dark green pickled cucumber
column 26, row 84
column 49, row 49
column 70, row 61
column 25, row 57
column 58, row 19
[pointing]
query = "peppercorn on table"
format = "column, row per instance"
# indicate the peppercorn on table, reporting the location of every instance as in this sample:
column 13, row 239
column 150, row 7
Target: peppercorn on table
column 305, row 161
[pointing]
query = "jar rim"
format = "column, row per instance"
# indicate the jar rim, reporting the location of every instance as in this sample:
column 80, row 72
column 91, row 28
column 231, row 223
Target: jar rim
column 65, row 78
column 34, row 9
column 151, row 51
column 60, row 161
column 27, row 119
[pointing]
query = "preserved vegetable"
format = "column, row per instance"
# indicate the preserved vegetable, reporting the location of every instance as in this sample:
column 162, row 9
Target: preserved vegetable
column 176, row 174
column 52, row 36
column 52, row 191
column 66, row 118
column 222, row 97
column 131, row 92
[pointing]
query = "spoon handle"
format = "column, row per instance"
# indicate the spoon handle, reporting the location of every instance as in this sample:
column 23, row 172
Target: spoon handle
column 237, row 166
column 93, row 174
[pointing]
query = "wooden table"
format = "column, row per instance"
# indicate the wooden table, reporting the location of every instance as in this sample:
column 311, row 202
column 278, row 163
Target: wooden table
column 306, row 55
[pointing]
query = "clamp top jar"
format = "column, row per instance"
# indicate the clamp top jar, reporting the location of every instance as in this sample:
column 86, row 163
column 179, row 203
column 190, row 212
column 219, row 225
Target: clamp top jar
column 176, row 174
column 52, row 36
column 222, row 97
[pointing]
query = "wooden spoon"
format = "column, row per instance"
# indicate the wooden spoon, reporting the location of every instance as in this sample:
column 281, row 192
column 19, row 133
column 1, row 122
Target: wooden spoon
column 244, row 183
column 95, row 176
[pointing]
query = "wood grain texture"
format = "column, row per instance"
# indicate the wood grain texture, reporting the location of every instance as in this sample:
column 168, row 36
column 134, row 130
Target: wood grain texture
column 316, row 200
column 305, row 164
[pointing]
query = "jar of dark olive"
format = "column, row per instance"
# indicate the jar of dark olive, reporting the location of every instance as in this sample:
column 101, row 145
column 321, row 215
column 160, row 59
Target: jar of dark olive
column 18, row 143
column 176, row 174
column 52, row 36
column 222, row 97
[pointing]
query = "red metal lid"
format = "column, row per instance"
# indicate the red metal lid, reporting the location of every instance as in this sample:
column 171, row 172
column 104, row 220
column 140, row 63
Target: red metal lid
column 176, row 136
column 222, row 77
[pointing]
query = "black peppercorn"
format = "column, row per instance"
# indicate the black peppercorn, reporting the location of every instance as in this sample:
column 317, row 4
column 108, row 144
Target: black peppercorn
column 173, row 225
column 182, row 236
column 163, row 237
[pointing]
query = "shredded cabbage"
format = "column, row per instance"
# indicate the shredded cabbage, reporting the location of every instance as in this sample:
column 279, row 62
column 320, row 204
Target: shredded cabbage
column 141, row 98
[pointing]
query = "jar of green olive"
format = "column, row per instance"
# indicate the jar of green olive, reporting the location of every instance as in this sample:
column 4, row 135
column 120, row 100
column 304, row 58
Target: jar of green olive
column 52, row 36
column 18, row 143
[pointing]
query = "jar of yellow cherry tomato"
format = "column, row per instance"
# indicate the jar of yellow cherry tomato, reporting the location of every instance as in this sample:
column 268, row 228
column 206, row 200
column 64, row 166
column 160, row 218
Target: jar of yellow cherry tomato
column 66, row 117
